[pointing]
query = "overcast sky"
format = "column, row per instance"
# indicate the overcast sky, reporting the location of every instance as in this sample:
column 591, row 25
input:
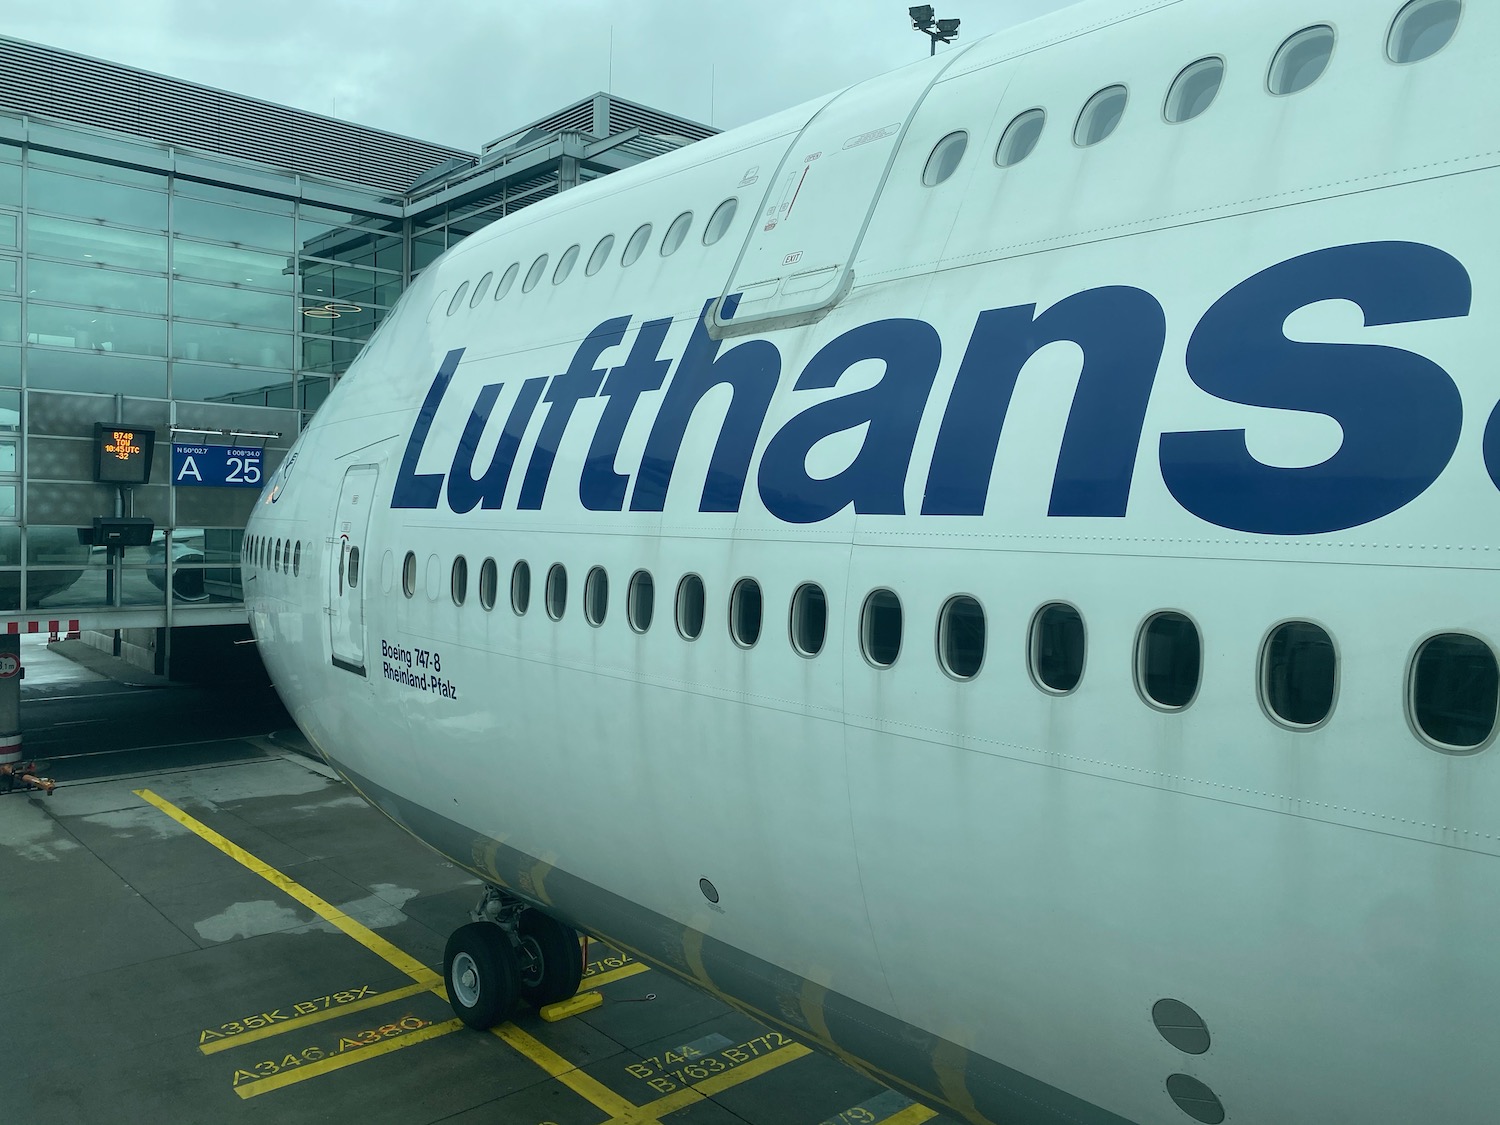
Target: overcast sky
column 462, row 72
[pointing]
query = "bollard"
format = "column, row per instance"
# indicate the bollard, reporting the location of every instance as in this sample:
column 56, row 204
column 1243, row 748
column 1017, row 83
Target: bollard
column 10, row 698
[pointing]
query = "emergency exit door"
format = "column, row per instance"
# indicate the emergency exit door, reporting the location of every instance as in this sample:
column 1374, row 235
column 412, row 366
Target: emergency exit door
column 346, row 574
column 798, row 260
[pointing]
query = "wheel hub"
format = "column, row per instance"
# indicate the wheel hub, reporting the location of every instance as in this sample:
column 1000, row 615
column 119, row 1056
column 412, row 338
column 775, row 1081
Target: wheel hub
column 466, row 980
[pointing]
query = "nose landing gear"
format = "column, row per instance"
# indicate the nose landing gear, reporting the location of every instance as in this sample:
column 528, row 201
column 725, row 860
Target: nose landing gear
column 509, row 952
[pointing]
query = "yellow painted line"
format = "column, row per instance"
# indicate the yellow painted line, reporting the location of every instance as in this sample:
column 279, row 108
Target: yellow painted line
column 296, row 1022
column 717, row 1084
column 550, row 1061
column 911, row 1115
column 599, row 980
column 325, row 910
column 569, row 1075
column 349, row 1058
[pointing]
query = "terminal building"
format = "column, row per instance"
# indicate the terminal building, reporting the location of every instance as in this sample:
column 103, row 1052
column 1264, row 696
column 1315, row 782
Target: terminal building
column 184, row 269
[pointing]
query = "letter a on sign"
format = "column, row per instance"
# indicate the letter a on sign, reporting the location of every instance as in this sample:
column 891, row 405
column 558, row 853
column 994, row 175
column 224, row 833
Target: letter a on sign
column 189, row 468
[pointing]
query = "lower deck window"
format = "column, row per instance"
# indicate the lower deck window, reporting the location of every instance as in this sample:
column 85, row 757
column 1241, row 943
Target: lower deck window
column 1455, row 689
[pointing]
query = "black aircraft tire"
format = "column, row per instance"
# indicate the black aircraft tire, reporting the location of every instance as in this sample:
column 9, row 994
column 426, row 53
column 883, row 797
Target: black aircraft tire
column 481, row 974
column 552, row 963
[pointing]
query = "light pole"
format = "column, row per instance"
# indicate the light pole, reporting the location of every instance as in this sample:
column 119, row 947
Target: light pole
column 939, row 31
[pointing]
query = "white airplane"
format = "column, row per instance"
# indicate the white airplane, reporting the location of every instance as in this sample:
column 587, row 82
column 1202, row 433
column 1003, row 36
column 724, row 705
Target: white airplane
column 985, row 570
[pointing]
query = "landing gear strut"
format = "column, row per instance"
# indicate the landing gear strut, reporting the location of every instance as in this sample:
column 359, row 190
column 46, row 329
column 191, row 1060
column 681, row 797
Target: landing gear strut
column 509, row 952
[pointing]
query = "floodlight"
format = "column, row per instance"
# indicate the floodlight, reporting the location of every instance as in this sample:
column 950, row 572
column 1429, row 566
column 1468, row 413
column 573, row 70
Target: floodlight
column 921, row 16
column 947, row 27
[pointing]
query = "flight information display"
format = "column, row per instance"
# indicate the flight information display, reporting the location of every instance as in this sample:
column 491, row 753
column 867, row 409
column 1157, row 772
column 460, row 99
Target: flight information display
column 122, row 453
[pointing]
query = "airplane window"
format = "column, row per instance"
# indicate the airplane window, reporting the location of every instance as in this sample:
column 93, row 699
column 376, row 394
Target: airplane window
column 458, row 298
column 353, row 567
column 945, row 158
column 1299, row 673
column 640, row 601
column 1422, row 29
column 297, row 560
column 534, row 274
column 1169, row 660
column 458, row 581
column 809, row 619
column 1057, row 648
column 596, row 596
column 409, row 574
column 481, row 289
column 880, row 628
column 675, row 234
column 557, row 592
column 718, row 222
column 637, row 245
column 1455, row 690
column 276, row 557
column 1194, row 90
column 1020, row 137
column 489, row 583
column 1301, row 60
column 600, row 255
column 745, row 612
column 520, row 588
column 507, row 280
column 690, row 607
column 565, row 264
column 1101, row 116
column 961, row 637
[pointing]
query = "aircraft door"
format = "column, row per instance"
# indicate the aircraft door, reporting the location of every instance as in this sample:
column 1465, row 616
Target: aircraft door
column 797, row 261
column 348, row 569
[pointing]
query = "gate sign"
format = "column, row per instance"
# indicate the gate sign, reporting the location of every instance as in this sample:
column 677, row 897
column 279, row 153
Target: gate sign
column 216, row 466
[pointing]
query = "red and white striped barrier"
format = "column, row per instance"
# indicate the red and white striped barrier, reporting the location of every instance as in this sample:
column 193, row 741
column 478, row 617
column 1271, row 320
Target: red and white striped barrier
column 54, row 626
column 10, row 749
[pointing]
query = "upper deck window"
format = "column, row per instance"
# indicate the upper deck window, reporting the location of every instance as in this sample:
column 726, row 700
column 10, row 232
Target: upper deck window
column 676, row 233
column 1101, row 116
column 946, row 156
column 481, row 289
column 458, row 298
column 565, row 264
column 534, row 274
column 1194, row 90
column 600, row 255
column 1301, row 60
column 637, row 245
column 1422, row 29
column 718, row 222
column 1020, row 138
column 507, row 280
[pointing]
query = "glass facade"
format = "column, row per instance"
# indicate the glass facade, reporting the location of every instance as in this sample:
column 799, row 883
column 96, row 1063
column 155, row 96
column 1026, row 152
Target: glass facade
column 150, row 283
column 139, row 279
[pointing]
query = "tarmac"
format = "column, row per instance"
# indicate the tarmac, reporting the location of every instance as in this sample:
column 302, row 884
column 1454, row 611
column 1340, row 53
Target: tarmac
column 218, row 929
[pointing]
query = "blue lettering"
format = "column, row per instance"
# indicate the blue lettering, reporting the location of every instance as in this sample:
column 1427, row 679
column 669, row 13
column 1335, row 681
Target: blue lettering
column 875, row 480
column 600, row 488
column 751, row 371
column 466, row 490
column 414, row 489
column 1401, row 413
column 580, row 381
column 1492, row 446
column 1121, row 332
